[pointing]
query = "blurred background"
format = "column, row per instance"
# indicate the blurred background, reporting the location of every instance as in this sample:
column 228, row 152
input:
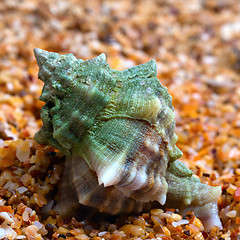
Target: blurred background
column 195, row 43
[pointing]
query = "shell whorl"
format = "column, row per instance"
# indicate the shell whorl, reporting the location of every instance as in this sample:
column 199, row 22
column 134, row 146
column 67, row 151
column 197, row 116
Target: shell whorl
column 73, row 95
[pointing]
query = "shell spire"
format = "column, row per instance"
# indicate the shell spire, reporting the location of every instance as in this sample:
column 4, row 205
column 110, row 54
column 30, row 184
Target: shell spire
column 42, row 56
column 117, row 128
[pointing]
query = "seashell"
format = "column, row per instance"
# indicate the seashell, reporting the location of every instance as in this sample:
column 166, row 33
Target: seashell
column 117, row 131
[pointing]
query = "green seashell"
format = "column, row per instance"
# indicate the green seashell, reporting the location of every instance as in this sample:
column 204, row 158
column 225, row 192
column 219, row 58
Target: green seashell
column 117, row 130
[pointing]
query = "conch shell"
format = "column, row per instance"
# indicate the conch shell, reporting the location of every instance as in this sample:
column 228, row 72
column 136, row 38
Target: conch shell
column 117, row 131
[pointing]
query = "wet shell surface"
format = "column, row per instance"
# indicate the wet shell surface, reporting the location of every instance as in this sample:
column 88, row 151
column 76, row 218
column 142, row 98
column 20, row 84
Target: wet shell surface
column 117, row 131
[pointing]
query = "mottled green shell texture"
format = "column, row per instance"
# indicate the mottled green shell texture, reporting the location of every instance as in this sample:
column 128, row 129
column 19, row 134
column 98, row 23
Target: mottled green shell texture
column 117, row 130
